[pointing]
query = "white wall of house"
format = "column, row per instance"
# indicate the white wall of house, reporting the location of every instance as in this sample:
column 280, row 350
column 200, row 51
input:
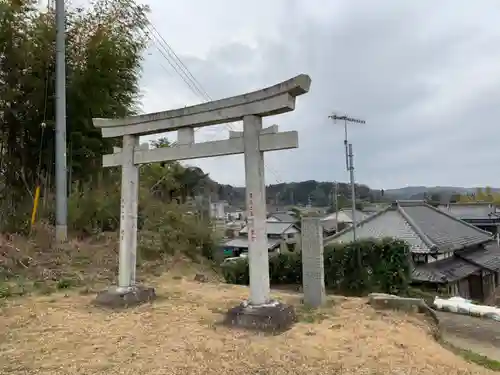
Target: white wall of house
column 235, row 215
column 217, row 210
column 440, row 257
column 291, row 230
column 272, row 219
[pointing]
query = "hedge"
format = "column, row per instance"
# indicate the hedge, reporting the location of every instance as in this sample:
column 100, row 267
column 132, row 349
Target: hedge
column 385, row 268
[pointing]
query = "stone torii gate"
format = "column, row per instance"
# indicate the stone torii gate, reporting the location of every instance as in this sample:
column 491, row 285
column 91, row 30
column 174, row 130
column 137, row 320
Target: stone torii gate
column 252, row 142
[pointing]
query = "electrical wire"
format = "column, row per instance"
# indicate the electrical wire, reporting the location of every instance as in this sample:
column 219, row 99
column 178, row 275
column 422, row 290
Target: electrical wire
column 180, row 68
column 38, row 177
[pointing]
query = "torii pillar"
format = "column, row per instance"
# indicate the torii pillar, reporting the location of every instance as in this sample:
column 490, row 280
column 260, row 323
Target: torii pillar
column 259, row 311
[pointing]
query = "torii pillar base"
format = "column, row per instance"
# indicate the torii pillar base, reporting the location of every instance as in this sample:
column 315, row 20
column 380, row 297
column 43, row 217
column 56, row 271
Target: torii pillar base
column 273, row 317
column 120, row 298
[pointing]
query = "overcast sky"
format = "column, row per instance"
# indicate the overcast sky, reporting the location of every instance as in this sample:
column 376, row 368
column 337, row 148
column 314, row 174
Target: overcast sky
column 425, row 75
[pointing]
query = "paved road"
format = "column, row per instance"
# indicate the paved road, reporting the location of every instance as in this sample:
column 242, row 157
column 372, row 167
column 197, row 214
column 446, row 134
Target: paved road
column 481, row 336
column 466, row 326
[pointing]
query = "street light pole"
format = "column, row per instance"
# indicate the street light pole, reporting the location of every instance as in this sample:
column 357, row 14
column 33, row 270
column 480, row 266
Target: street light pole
column 61, row 177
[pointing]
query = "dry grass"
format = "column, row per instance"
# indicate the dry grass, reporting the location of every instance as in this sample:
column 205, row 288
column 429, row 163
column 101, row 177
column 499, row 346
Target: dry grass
column 34, row 264
column 178, row 334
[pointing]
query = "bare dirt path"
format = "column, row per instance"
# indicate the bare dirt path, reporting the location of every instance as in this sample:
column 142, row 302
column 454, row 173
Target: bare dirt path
column 481, row 336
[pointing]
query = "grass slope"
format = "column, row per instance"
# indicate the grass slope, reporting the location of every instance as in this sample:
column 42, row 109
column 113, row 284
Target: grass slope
column 179, row 334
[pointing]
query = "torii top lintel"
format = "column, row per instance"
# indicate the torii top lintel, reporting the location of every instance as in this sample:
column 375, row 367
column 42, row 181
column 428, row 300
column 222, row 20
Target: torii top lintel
column 270, row 101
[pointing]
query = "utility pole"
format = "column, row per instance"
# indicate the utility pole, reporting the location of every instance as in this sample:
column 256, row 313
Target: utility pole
column 353, row 201
column 336, row 200
column 346, row 120
column 61, row 177
column 353, row 190
column 348, row 159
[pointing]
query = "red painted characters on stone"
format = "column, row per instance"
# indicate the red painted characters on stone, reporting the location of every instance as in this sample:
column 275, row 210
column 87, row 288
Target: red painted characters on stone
column 250, row 205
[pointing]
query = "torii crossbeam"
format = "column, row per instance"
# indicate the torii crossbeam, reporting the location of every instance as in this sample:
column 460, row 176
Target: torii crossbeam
column 252, row 142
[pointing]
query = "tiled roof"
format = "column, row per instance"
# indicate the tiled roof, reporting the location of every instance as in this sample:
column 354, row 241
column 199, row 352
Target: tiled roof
column 424, row 227
column 274, row 227
column 345, row 216
column 444, row 271
column 284, row 217
column 242, row 243
column 471, row 211
column 329, row 225
column 372, row 208
column 487, row 257
column 359, row 214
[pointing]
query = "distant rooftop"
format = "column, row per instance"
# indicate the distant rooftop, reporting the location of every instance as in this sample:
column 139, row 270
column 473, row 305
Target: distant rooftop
column 276, row 227
column 424, row 227
column 283, row 217
column 471, row 210
column 242, row 243
column 345, row 216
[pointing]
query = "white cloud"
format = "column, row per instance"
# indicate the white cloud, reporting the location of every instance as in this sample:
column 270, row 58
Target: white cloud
column 424, row 75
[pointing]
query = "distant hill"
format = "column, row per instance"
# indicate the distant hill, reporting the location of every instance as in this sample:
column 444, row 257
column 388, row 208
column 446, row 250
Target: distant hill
column 315, row 193
column 418, row 192
column 319, row 193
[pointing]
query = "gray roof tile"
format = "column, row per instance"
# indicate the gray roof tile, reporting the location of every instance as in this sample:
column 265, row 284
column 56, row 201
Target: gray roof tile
column 359, row 214
column 487, row 257
column 471, row 211
column 284, row 217
column 243, row 243
column 445, row 231
column 274, row 227
column 444, row 271
column 424, row 227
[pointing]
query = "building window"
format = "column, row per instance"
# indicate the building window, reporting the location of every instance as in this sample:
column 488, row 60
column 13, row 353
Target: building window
column 290, row 235
column 420, row 258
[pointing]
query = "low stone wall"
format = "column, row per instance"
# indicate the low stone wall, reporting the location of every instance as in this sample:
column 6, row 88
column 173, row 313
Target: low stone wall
column 381, row 301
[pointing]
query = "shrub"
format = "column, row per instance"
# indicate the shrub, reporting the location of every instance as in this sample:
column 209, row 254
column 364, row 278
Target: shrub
column 180, row 230
column 236, row 272
column 385, row 268
column 94, row 210
column 174, row 228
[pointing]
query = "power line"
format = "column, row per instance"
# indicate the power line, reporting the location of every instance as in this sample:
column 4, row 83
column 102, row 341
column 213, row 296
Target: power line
column 182, row 66
column 177, row 67
column 183, row 71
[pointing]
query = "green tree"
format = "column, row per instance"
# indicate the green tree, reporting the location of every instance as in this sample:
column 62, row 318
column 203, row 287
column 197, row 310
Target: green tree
column 105, row 44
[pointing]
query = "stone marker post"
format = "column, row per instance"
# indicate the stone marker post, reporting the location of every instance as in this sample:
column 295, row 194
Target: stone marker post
column 128, row 215
column 313, row 272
